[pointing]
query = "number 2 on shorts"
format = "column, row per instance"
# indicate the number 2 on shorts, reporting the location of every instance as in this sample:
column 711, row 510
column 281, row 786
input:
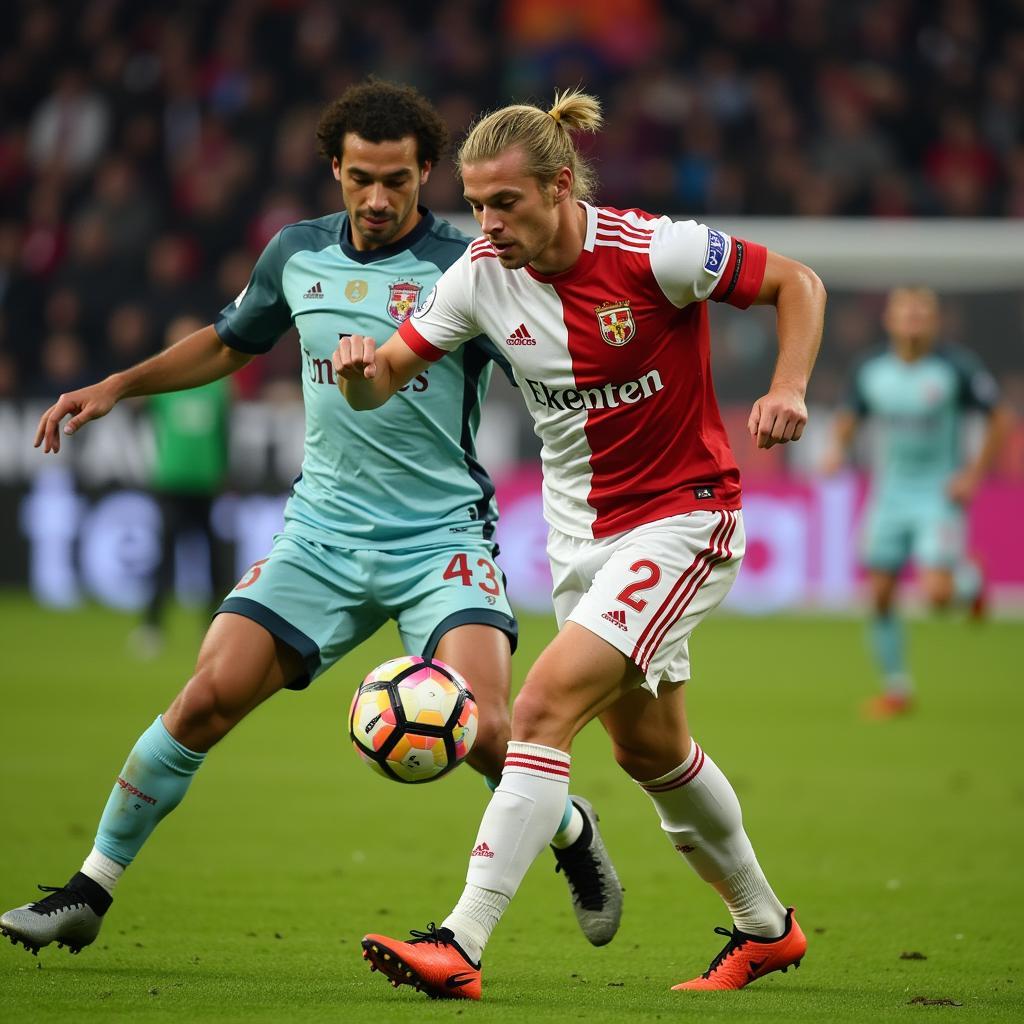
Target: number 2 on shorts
column 653, row 575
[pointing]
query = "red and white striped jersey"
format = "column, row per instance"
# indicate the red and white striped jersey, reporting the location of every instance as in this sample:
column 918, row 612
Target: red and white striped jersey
column 612, row 356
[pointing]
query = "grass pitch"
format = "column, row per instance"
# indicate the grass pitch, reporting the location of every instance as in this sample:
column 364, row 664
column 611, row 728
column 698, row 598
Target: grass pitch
column 899, row 842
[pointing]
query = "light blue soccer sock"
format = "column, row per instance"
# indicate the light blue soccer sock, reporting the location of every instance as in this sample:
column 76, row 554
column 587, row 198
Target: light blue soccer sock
column 151, row 784
column 887, row 644
column 569, row 828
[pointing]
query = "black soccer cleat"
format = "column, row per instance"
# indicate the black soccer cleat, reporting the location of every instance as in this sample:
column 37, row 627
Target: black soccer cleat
column 593, row 884
column 70, row 915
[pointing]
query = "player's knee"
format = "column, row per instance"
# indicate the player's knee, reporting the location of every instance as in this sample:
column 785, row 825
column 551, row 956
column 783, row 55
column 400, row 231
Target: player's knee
column 642, row 762
column 536, row 718
column 938, row 589
column 492, row 732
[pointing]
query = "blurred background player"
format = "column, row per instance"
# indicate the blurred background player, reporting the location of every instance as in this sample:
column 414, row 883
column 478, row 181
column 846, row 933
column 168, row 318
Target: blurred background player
column 392, row 516
column 645, row 539
column 915, row 393
column 190, row 430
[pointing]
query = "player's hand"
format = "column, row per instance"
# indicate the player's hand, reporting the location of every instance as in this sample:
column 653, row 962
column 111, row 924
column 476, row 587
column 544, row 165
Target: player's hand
column 83, row 405
column 962, row 487
column 778, row 417
column 355, row 357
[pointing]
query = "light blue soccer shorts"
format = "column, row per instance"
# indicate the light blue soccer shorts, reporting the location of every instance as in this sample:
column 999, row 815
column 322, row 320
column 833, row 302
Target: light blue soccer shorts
column 324, row 601
column 926, row 528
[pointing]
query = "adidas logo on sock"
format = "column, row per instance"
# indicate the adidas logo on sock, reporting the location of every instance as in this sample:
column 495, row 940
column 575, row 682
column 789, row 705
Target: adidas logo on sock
column 618, row 616
column 316, row 292
column 520, row 336
column 482, row 850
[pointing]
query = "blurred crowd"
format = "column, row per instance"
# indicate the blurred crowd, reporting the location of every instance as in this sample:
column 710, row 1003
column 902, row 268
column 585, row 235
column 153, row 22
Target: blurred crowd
column 149, row 151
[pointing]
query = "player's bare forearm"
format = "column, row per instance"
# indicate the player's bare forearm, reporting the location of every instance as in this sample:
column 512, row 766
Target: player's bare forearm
column 799, row 299
column 1000, row 422
column 367, row 375
column 197, row 359
column 844, row 428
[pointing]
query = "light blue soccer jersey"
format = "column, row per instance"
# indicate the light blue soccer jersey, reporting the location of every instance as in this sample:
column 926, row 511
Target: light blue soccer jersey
column 918, row 409
column 399, row 476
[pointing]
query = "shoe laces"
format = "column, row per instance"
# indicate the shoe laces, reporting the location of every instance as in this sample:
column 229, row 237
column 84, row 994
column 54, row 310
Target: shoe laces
column 438, row 936
column 736, row 940
column 583, row 874
column 60, row 898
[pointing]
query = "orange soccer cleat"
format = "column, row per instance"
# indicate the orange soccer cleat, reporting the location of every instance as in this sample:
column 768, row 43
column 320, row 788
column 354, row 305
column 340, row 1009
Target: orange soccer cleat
column 432, row 962
column 749, row 957
column 888, row 705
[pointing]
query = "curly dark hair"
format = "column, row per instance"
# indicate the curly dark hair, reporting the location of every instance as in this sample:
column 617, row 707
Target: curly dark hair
column 381, row 111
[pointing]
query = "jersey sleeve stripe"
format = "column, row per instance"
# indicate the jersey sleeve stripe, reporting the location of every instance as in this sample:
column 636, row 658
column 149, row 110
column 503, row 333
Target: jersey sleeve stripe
column 629, row 218
column 625, row 229
column 604, row 234
column 743, row 274
column 418, row 343
column 619, row 244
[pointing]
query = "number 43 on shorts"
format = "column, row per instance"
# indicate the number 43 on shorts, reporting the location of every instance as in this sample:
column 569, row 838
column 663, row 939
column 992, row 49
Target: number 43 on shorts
column 483, row 574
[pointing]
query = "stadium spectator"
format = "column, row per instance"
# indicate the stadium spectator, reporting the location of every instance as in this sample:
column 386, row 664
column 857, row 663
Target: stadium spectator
column 69, row 130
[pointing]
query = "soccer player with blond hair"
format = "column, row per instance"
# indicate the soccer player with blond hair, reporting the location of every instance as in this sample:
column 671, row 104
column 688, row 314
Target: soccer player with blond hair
column 604, row 319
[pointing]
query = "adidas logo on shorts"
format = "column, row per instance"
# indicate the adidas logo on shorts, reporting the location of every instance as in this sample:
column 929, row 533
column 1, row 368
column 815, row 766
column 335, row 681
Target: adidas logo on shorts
column 482, row 850
column 618, row 616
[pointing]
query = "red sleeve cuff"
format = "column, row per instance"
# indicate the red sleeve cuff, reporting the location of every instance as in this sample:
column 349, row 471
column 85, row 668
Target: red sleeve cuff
column 743, row 274
column 418, row 343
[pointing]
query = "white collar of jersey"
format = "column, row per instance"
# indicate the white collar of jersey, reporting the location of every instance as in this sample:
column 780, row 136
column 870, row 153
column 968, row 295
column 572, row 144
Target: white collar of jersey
column 591, row 236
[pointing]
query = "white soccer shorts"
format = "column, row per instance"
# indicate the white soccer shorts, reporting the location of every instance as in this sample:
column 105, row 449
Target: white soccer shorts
column 645, row 590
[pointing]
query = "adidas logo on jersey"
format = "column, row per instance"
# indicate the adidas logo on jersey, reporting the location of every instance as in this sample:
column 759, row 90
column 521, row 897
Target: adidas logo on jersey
column 316, row 292
column 482, row 850
column 618, row 617
column 520, row 336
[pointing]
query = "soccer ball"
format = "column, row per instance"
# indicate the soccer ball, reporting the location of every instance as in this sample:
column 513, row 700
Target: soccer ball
column 413, row 719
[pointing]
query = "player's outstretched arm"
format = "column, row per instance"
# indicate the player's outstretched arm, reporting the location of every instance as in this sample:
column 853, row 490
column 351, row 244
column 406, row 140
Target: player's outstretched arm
column 367, row 375
column 964, row 485
column 799, row 296
column 197, row 359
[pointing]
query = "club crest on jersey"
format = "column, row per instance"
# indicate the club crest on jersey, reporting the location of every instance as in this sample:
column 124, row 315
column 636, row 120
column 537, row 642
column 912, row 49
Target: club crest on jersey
column 403, row 297
column 356, row 290
column 615, row 319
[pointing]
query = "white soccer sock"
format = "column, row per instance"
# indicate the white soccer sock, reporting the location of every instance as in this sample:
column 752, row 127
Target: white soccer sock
column 102, row 870
column 751, row 902
column 474, row 917
column 519, row 822
column 701, row 816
